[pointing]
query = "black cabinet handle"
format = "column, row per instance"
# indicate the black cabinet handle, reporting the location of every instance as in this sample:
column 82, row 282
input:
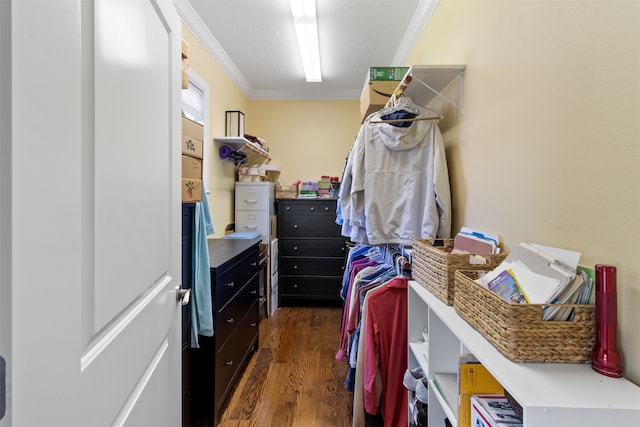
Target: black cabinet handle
column 228, row 363
column 253, row 325
column 253, row 292
column 230, row 284
column 229, row 320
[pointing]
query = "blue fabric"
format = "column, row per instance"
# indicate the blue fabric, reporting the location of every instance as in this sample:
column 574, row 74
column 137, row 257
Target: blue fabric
column 201, row 312
column 242, row 235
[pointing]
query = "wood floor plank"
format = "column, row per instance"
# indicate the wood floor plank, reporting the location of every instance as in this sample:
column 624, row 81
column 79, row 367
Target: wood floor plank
column 293, row 380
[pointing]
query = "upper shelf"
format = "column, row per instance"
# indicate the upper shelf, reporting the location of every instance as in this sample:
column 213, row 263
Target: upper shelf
column 241, row 142
column 423, row 83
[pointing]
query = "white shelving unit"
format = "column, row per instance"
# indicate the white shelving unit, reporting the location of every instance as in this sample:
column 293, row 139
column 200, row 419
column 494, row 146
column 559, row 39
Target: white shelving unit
column 243, row 143
column 551, row 394
column 422, row 83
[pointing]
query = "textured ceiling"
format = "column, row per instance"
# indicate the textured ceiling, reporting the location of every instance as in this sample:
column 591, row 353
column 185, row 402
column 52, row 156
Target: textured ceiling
column 254, row 41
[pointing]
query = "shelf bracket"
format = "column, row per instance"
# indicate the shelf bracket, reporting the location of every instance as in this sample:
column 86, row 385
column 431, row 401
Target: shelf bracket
column 459, row 104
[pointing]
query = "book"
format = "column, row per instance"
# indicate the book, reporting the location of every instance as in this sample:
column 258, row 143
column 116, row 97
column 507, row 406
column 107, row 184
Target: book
column 506, row 286
column 473, row 378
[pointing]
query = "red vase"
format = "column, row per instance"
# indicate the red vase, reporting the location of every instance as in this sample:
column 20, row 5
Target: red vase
column 606, row 359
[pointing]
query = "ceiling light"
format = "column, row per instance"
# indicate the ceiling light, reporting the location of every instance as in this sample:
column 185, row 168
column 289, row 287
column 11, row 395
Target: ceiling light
column 304, row 19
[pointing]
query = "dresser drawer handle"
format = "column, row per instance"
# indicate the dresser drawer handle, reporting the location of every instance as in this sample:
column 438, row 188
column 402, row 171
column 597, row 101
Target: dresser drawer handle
column 251, row 201
column 229, row 320
column 343, row 249
column 288, row 208
column 253, row 324
column 295, row 248
column 295, row 267
column 254, row 264
column 295, row 225
column 231, row 284
column 295, row 286
column 228, row 363
column 326, row 208
column 313, row 209
column 253, row 292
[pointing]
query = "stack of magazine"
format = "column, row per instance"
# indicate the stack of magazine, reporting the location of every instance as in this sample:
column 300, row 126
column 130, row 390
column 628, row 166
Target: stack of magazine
column 538, row 274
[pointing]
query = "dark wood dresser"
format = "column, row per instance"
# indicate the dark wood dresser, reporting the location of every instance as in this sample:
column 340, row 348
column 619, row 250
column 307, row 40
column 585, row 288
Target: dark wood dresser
column 311, row 251
column 221, row 359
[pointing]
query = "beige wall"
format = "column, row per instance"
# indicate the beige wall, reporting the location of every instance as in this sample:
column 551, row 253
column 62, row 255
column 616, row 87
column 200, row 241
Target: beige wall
column 548, row 148
column 307, row 139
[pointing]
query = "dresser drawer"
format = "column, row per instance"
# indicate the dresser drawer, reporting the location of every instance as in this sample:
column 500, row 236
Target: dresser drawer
column 231, row 357
column 307, row 207
column 253, row 197
column 320, row 225
column 228, row 318
column 310, row 287
column 313, row 247
column 231, row 280
column 311, row 266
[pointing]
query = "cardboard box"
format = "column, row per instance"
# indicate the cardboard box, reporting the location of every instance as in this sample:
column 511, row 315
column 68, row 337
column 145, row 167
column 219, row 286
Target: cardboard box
column 474, row 378
column 493, row 410
column 185, row 48
column 387, row 73
column 192, row 129
column 375, row 95
column 191, row 147
column 191, row 190
column 191, row 167
column 185, row 73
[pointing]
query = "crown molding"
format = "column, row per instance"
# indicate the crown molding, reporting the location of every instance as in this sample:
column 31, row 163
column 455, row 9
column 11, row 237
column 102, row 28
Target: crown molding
column 195, row 24
column 418, row 23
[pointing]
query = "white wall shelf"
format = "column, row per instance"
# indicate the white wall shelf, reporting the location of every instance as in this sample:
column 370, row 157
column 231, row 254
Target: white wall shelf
column 240, row 143
column 427, row 82
column 551, row 394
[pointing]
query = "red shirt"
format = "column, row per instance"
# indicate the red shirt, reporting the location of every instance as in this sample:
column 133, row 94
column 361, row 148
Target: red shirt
column 385, row 349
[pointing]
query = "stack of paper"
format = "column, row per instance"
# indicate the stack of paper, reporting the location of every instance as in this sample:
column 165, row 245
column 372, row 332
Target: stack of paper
column 472, row 241
column 541, row 272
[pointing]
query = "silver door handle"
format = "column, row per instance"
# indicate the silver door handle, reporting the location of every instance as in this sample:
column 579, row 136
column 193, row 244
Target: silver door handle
column 183, row 296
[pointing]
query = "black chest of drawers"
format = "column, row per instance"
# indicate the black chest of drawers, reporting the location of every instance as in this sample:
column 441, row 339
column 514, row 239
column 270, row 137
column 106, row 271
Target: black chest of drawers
column 220, row 360
column 311, row 251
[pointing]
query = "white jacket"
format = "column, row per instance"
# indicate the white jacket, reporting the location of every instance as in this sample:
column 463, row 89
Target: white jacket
column 396, row 182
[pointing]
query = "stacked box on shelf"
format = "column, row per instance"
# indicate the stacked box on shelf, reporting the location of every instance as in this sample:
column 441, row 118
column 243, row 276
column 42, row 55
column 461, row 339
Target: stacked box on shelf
column 192, row 137
column 380, row 84
column 324, row 187
column 433, row 266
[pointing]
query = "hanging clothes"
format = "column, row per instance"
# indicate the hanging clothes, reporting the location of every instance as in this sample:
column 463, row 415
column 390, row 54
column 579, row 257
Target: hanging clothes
column 372, row 270
column 396, row 182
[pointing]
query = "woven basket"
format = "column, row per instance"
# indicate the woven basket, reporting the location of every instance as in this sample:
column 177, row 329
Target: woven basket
column 433, row 266
column 518, row 331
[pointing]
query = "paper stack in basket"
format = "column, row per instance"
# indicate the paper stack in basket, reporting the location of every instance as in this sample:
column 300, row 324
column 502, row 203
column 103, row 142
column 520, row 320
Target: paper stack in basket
column 541, row 275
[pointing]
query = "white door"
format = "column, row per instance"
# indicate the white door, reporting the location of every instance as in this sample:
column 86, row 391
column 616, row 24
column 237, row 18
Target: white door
column 90, row 227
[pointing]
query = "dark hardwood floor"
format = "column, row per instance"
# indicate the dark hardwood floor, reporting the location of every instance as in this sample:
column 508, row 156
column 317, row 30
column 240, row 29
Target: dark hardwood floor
column 294, row 380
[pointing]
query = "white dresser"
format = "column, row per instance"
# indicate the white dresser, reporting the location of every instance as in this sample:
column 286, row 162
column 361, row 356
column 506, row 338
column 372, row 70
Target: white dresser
column 255, row 207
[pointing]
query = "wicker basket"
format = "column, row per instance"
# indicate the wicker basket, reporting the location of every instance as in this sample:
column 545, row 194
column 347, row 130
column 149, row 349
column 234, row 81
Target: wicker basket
column 433, row 266
column 518, row 330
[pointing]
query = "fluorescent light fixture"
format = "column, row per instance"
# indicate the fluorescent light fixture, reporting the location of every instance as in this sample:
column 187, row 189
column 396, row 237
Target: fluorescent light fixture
column 304, row 19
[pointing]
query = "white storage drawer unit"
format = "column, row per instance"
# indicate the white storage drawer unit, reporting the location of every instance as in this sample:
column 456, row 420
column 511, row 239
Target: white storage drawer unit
column 255, row 207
